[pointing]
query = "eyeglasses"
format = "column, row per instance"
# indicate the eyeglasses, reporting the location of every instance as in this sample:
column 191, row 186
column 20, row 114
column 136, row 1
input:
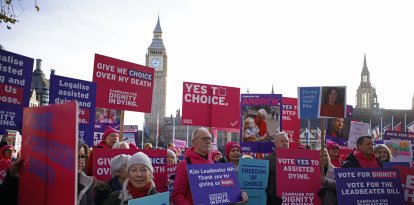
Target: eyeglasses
column 10, row 150
column 335, row 148
column 205, row 139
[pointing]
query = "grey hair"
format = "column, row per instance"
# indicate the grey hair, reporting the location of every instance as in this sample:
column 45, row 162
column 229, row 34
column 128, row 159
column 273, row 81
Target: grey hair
column 280, row 134
column 117, row 145
column 118, row 162
column 262, row 112
column 195, row 131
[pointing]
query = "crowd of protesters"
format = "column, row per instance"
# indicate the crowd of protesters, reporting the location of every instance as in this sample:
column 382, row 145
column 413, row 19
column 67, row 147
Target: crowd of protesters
column 132, row 176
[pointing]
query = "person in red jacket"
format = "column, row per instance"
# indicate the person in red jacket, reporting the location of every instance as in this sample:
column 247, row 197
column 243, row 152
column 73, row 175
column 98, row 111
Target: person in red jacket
column 110, row 137
column 364, row 156
column 333, row 151
column 198, row 154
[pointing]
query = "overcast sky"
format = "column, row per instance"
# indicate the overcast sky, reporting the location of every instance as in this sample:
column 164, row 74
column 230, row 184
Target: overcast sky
column 246, row 44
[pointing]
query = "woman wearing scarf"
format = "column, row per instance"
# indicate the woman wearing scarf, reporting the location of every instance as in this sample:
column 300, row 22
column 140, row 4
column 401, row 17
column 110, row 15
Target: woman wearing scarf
column 140, row 181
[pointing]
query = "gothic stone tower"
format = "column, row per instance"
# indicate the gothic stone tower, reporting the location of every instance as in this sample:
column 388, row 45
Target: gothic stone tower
column 366, row 94
column 156, row 58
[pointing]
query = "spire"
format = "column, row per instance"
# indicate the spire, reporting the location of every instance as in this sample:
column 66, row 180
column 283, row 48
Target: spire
column 158, row 26
column 157, row 40
column 273, row 91
column 365, row 63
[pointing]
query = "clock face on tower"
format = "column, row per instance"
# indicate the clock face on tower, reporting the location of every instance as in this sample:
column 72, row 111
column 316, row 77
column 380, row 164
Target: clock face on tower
column 156, row 63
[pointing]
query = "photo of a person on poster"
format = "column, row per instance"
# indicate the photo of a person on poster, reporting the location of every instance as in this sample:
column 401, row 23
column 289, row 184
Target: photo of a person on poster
column 332, row 102
column 258, row 125
column 338, row 127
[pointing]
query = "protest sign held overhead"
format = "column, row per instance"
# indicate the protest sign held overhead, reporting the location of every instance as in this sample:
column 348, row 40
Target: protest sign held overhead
column 290, row 120
column 122, row 85
column 15, row 79
column 322, row 102
column 210, row 105
column 338, row 129
column 63, row 89
column 49, row 148
column 400, row 136
column 253, row 175
column 261, row 120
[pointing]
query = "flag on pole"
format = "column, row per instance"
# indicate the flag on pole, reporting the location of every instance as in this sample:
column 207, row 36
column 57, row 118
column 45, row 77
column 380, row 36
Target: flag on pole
column 318, row 134
column 307, row 136
column 398, row 127
column 376, row 133
column 387, row 128
column 410, row 127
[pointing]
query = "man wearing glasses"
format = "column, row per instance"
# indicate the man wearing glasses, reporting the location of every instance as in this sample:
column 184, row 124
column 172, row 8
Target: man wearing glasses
column 199, row 153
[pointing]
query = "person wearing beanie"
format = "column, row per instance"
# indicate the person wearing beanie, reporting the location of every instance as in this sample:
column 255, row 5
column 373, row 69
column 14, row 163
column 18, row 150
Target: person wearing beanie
column 232, row 150
column 216, row 156
column 109, row 138
column 199, row 153
column 119, row 175
column 333, row 151
column 171, row 157
column 281, row 141
column 140, row 181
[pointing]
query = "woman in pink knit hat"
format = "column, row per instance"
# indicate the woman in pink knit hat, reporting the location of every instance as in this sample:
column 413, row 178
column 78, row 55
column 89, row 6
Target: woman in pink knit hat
column 333, row 151
column 232, row 151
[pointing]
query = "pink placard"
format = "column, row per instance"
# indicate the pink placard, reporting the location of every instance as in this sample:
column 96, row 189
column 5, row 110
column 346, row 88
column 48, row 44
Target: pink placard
column 102, row 157
column 298, row 176
column 49, row 153
column 290, row 120
column 122, row 85
column 211, row 105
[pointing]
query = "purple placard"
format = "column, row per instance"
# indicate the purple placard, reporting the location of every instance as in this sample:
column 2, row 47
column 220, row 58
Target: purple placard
column 394, row 135
column 214, row 183
column 263, row 130
column 64, row 89
column 105, row 117
column 15, row 79
column 368, row 186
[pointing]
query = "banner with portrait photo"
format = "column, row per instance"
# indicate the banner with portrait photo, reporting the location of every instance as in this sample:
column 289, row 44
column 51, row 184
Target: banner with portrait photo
column 122, row 85
column 332, row 102
column 105, row 117
column 210, row 105
column 64, row 89
column 337, row 129
column 15, row 81
column 290, row 121
column 261, row 116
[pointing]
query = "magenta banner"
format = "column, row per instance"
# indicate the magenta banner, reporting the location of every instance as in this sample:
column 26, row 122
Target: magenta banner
column 294, row 170
column 290, row 120
column 49, row 152
column 102, row 168
column 210, row 105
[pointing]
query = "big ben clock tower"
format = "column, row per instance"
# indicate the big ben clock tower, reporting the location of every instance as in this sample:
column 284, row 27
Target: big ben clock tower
column 156, row 58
